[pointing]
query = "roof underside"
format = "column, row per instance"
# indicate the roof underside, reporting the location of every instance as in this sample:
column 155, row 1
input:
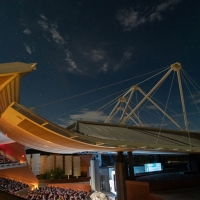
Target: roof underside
column 10, row 76
column 17, row 67
column 31, row 130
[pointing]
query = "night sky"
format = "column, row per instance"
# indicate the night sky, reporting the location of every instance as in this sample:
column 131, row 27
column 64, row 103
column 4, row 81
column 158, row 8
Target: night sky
column 89, row 52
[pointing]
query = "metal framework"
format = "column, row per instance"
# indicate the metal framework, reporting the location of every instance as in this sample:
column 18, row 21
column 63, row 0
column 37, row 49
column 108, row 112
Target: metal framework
column 27, row 128
column 128, row 112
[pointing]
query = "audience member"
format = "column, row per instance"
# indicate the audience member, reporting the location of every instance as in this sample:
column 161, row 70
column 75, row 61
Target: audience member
column 5, row 160
column 56, row 193
column 11, row 186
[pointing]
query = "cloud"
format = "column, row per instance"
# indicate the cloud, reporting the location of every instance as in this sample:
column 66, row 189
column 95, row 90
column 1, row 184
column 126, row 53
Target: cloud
column 28, row 49
column 195, row 98
column 117, row 66
column 127, row 55
column 51, row 31
column 97, row 55
column 155, row 16
column 197, row 95
column 151, row 107
column 27, row 31
column 56, row 36
column 98, row 61
column 166, row 5
column 130, row 18
column 43, row 22
column 85, row 115
column 51, row 28
column 105, row 67
column 46, row 37
column 43, row 17
column 73, row 67
column 196, row 101
column 89, row 61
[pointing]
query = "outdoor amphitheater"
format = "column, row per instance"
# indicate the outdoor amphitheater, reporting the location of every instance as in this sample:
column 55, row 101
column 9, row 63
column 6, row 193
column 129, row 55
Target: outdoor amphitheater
column 95, row 160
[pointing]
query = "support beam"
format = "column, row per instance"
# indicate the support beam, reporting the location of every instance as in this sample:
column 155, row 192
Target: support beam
column 127, row 103
column 156, row 105
column 147, row 95
column 120, row 177
column 140, row 122
column 182, row 100
column 94, row 174
column 131, row 166
column 194, row 164
column 115, row 110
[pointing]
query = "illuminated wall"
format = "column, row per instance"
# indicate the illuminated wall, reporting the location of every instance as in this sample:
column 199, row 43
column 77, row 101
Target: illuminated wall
column 76, row 166
column 36, row 164
column 43, row 164
column 59, row 161
column 72, row 165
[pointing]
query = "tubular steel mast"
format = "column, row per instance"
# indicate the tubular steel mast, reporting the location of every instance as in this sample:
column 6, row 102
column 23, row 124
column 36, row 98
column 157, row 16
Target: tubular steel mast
column 127, row 111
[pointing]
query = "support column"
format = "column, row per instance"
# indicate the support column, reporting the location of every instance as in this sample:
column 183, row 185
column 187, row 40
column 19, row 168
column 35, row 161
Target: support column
column 131, row 166
column 194, row 165
column 161, row 159
column 94, row 174
column 120, row 177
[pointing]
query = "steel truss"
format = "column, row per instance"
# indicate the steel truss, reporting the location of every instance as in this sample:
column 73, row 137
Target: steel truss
column 128, row 112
